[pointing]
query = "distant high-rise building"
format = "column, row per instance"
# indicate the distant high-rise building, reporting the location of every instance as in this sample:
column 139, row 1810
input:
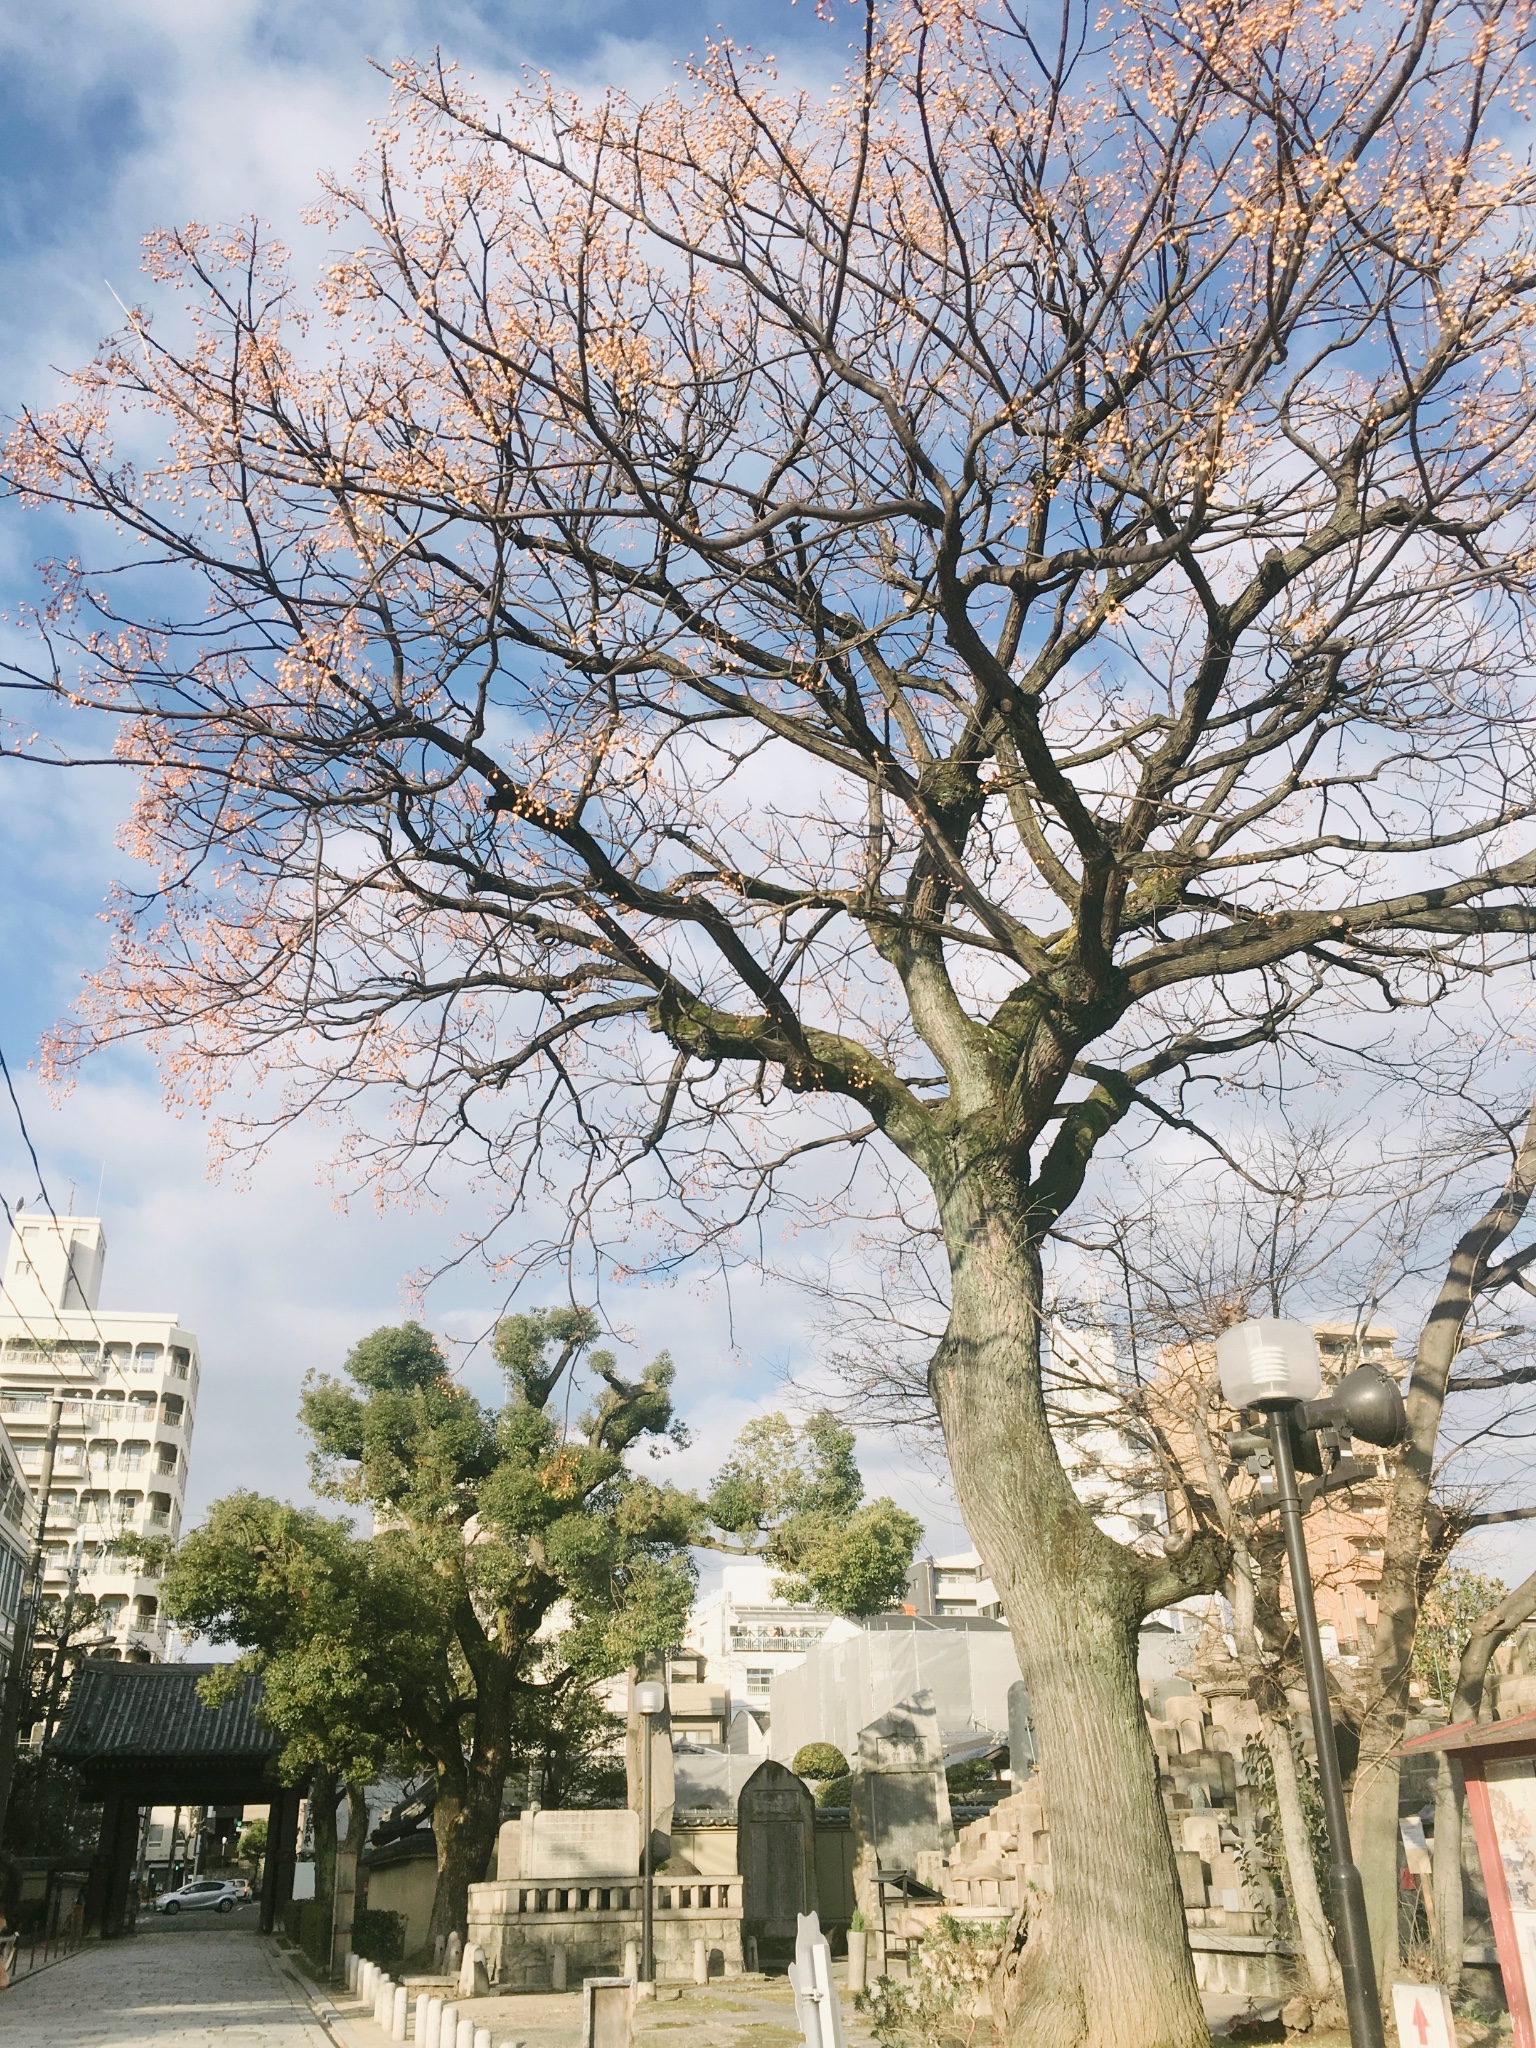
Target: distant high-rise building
column 129, row 1385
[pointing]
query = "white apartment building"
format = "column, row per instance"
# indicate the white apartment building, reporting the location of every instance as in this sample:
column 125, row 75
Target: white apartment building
column 129, row 1383
column 746, row 1635
column 15, row 1544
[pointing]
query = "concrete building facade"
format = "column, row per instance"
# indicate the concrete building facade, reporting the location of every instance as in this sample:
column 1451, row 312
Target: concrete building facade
column 747, row 1637
column 129, row 1383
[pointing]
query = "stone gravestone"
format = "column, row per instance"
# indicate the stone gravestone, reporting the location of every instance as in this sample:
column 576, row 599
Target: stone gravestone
column 810, row 1978
column 1023, row 1754
column 608, row 2012
column 899, row 1799
column 474, row 1978
column 776, row 1855
column 581, row 1845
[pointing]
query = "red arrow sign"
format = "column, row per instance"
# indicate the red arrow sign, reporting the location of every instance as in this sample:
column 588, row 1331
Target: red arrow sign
column 1420, row 2023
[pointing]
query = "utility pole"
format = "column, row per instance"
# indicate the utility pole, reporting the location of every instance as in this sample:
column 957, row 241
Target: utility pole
column 61, row 1640
column 26, row 1619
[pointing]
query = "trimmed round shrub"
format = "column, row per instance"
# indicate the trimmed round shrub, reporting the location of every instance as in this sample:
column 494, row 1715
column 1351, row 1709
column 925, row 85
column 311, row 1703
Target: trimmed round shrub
column 819, row 1761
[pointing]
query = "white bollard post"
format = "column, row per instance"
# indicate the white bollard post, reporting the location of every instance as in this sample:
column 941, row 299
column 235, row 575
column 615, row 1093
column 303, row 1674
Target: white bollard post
column 631, row 1959
column 482, row 2037
column 700, row 1960
column 384, row 2002
column 434, row 2022
column 448, row 2026
column 466, row 2037
column 400, row 2011
column 858, row 1958
column 419, row 2018
column 353, row 1959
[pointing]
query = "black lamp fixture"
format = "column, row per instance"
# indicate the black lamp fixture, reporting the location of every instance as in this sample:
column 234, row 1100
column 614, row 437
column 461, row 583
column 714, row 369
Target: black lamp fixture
column 1272, row 1365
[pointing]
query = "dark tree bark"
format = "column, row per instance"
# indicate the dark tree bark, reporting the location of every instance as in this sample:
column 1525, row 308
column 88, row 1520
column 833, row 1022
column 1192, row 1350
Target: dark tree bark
column 324, row 1797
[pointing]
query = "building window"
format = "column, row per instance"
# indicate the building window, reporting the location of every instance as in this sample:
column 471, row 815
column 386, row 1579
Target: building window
column 181, row 1361
column 147, row 1357
column 165, row 1458
column 102, row 1449
column 159, row 1510
column 132, row 1455
column 171, row 1408
column 759, row 1681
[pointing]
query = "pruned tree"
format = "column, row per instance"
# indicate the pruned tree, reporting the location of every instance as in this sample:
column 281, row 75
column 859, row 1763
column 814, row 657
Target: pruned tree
column 750, row 628
column 530, row 1523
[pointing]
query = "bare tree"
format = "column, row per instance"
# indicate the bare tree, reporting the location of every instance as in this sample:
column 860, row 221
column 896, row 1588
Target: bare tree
column 1488, row 1633
column 1420, row 1532
column 749, row 631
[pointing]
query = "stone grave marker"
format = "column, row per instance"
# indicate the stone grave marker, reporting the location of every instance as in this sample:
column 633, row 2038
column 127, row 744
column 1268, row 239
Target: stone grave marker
column 608, row 2012
column 899, row 1799
column 1023, row 1755
column 776, row 1855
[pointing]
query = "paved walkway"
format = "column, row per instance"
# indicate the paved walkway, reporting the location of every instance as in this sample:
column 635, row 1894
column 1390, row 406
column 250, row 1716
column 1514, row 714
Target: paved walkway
column 188, row 1984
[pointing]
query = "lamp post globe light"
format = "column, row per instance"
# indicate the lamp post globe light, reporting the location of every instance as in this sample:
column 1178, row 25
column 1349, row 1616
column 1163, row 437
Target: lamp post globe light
column 1272, row 1365
column 650, row 1698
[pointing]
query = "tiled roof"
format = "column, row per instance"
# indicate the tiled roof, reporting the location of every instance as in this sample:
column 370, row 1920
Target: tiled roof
column 142, row 1711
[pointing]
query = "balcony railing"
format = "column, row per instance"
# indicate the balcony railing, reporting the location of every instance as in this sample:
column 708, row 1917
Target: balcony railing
column 799, row 1639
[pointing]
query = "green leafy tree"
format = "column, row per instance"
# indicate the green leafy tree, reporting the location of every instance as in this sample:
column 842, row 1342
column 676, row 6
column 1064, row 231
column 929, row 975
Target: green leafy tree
column 1457, row 1599
column 796, row 1497
column 347, row 1632
column 253, row 1843
column 551, row 1563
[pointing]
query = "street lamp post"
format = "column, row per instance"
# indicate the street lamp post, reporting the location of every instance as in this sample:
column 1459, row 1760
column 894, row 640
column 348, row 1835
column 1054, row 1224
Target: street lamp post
column 650, row 1701
column 1272, row 1365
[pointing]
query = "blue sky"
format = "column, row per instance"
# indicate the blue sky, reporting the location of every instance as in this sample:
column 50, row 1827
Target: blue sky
column 115, row 118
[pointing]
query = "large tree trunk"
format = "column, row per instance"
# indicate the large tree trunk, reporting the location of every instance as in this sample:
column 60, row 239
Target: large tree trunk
column 324, row 1796
column 1407, row 1566
column 1107, row 1965
column 468, row 1810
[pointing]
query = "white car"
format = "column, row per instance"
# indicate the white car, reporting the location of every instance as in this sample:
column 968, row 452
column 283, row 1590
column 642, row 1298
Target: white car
column 219, row 1893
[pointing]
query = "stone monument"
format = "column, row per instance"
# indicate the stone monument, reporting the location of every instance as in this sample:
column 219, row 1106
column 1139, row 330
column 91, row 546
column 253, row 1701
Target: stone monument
column 776, row 1855
column 1023, row 1752
column 556, row 1845
column 899, row 1800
